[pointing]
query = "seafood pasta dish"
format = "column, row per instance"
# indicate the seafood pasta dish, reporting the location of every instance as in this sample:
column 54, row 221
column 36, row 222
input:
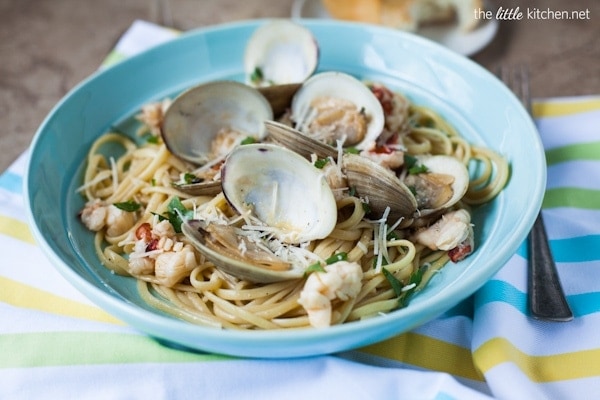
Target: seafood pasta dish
column 295, row 199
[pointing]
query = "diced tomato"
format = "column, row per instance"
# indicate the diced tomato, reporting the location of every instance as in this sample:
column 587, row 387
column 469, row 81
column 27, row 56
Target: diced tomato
column 144, row 231
column 385, row 97
column 460, row 252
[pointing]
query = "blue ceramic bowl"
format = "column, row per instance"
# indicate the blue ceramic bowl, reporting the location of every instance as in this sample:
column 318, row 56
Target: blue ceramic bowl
column 472, row 99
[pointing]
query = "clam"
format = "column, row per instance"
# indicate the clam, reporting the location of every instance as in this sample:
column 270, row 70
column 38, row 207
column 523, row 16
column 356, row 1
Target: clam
column 221, row 244
column 444, row 183
column 283, row 190
column 280, row 52
column 332, row 106
column 296, row 141
column 372, row 181
column 283, row 196
column 198, row 115
column 379, row 186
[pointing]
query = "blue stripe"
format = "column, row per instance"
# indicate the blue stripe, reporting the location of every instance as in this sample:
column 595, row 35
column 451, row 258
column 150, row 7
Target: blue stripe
column 571, row 250
column 501, row 291
column 577, row 249
column 11, row 182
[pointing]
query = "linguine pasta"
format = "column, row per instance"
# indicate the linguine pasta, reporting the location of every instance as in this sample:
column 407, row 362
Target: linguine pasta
column 175, row 278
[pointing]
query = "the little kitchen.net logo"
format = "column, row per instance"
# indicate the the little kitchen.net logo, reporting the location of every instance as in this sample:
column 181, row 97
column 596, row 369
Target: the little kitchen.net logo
column 518, row 14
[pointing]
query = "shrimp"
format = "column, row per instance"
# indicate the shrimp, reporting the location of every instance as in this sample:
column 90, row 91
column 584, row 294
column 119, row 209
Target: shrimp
column 97, row 215
column 453, row 232
column 171, row 267
column 152, row 115
column 341, row 280
column 158, row 251
column 386, row 156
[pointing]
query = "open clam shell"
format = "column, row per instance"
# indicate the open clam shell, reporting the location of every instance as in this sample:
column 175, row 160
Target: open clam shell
column 220, row 244
column 334, row 105
column 282, row 190
column 442, row 186
column 280, row 52
column 198, row 115
column 379, row 186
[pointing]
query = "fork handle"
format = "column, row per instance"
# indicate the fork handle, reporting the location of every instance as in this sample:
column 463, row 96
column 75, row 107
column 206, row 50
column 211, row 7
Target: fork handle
column 546, row 298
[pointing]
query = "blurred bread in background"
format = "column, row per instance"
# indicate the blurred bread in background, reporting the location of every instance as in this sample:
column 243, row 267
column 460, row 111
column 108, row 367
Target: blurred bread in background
column 407, row 14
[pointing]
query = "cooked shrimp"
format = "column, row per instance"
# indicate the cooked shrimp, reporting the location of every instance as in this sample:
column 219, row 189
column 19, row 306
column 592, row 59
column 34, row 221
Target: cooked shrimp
column 93, row 215
column 341, row 280
column 158, row 250
column 385, row 156
column 97, row 215
column 152, row 115
column 453, row 230
column 171, row 267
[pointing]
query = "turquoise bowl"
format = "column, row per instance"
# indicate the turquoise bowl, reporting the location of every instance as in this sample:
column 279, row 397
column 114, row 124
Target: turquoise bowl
column 471, row 98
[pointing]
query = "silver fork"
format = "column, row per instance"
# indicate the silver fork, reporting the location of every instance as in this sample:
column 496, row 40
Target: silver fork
column 546, row 297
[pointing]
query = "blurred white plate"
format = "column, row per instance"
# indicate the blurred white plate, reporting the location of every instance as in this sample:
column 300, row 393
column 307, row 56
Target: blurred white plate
column 465, row 43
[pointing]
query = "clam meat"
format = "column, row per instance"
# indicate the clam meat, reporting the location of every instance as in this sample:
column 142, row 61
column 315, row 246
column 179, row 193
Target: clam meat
column 205, row 122
column 332, row 106
column 443, row 183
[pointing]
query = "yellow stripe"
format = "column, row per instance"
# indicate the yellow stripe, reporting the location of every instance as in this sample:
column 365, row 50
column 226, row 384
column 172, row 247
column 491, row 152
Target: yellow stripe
column 16, row 229
column 562, row 108
column 426, row 352
column 25, row 296
column 549, row 368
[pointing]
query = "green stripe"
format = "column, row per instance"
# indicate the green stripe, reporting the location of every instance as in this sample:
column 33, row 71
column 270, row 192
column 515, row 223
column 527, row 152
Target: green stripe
column 88, row 348
column 572, row 197
column 579, row 151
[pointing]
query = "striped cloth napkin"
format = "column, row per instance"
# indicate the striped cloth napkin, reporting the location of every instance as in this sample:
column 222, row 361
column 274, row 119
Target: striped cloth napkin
column 55, row 344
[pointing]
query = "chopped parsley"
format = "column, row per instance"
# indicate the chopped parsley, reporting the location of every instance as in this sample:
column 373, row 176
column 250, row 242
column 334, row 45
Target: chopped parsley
column 257, row 75
column 341, row 256
column 248, row 140
column 188, row 178
column 152, row 139
column 393, row 236
column 318, row 267
column 404, row 292
column 176, row 213
column 351, row 150
column 321, row 162
column 409, row 161
column 412, row 165
column 129, row 206
column 366, row 207
column 418, row 169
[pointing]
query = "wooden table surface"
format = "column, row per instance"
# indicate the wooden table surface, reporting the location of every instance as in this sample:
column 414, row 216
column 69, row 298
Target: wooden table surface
column 47, row 47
